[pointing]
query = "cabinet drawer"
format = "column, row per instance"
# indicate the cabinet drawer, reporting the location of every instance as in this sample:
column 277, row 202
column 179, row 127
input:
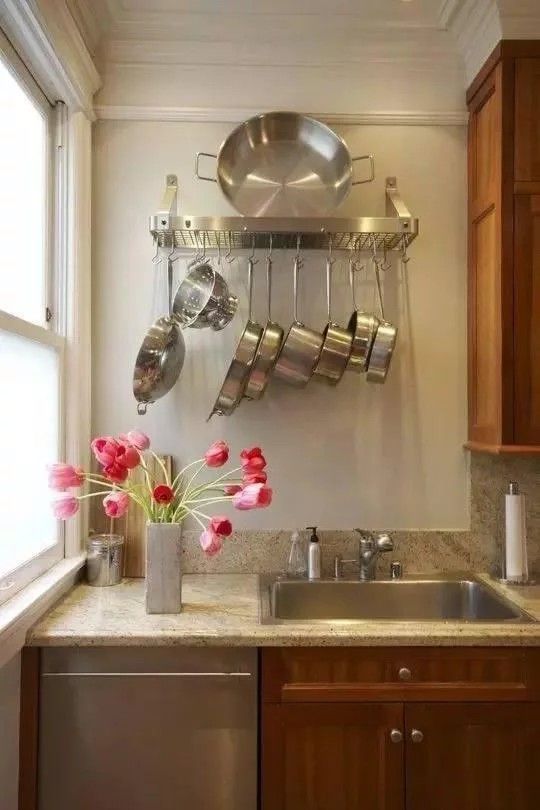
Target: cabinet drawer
column 350, row 674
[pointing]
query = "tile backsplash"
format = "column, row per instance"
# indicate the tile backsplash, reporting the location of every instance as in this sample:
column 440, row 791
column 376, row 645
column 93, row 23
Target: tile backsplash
column 419, row 551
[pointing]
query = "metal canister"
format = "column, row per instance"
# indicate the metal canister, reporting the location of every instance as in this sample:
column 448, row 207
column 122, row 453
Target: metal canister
column 105, row 560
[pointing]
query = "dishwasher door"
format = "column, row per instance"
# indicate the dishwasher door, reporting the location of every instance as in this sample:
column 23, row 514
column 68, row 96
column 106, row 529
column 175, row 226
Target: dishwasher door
column 148, row 729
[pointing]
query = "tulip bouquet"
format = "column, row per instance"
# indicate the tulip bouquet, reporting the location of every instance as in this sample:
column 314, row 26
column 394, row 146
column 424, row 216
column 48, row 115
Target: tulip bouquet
column 171, row 502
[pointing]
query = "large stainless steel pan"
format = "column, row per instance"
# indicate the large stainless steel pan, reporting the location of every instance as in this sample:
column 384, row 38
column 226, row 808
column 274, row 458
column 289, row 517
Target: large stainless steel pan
column 384, row 343
column 283, row 164
column 363, row 328
column 235, row 381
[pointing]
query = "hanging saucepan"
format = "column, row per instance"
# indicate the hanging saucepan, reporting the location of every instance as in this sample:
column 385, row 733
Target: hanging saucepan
column 301, row 349
column 283, row 164
column 269, row 346
column 238, row 373
column 160, row 358
column 363, row 327
column 337, row 342
column 384, row 343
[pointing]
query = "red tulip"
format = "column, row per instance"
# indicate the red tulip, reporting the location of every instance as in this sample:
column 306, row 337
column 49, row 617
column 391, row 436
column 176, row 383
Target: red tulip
column 117, row 473
column 232, row 489
column 137, row 439
column 163, row 494
column 110, row 453
column 221, row 525
column 211, row 542
column 65, row 506
column 259, row 477
column 65, row 476
column 217, row 454
column 253, row 496
column 252, row 460
column 128, row 456
column 116, row 504
column 105, row 449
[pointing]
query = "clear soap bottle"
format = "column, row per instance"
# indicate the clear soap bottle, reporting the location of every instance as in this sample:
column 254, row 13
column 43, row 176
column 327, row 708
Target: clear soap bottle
column 297, row 564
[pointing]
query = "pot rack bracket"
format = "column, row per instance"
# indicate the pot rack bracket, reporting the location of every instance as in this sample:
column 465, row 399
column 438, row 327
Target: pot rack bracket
column 395, row 231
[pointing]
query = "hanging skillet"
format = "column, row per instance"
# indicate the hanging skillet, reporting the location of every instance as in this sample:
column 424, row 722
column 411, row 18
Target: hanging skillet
column 239, row 370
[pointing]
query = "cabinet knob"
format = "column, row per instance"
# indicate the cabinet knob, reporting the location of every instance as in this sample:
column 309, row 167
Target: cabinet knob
column 396, row 736
column 404, row 674
column 416, row 735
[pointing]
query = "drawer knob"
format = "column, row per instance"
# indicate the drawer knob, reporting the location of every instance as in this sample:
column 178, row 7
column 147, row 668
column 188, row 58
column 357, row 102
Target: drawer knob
column 404, row 674
column 416, row 735
column 396, row 736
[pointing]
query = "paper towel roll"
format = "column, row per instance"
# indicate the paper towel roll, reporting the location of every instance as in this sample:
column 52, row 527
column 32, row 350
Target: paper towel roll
column 516, row 555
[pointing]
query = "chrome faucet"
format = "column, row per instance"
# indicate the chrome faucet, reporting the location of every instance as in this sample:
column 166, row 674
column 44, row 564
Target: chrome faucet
column 370, row 546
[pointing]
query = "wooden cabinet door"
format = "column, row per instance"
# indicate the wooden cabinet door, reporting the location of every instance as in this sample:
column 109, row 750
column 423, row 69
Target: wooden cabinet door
column 473, row 756
column 527, row 317
column 332, row 757
column 527, row 122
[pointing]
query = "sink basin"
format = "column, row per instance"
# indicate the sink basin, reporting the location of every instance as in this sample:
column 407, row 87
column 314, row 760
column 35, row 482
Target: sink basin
column 461, row 599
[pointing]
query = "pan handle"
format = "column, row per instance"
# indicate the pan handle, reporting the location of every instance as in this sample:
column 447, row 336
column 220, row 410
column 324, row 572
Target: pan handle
column 202, row 176
column 371, row 169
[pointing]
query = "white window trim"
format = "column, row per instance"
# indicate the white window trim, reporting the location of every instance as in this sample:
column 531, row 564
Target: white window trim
column 64, row 73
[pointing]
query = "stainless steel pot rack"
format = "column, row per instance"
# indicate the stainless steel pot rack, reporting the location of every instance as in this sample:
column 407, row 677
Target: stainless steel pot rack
column 395, row 231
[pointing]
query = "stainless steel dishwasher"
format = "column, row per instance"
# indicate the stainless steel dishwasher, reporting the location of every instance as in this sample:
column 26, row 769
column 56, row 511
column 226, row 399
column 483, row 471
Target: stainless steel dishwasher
column 144, row 728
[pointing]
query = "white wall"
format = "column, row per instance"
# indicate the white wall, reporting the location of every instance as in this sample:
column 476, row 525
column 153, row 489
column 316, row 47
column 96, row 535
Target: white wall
column 9, row 738
column 357, row 455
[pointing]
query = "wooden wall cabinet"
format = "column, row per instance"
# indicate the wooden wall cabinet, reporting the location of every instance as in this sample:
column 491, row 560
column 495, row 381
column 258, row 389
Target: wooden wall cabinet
column 400, row 729
column 504, row 252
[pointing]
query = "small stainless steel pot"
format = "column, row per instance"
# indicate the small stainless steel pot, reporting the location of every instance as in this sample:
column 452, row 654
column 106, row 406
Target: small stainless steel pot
column 337, row 342
column 203, row 299
column 235, row 381
column 363, row 327
column 383, row 345
column 301, row 349
column 269, row 346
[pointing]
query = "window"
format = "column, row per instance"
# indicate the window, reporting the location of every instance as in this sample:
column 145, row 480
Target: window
column 31, row 343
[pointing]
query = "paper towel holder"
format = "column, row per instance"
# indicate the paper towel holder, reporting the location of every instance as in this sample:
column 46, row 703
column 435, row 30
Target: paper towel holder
column 513, row 489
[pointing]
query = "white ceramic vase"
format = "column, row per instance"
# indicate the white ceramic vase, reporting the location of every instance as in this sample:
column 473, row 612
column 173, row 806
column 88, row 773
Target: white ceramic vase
column 163, row 567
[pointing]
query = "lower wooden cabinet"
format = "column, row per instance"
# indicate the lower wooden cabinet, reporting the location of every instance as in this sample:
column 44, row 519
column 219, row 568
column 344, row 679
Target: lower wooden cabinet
column 327, row 757
column 472, row 756
column 400, row 741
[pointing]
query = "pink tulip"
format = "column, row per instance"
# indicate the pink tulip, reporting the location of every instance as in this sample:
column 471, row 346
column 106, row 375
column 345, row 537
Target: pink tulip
column 211, row 543
column 253, row 496
column 65, row 506
column 105, row 449
column 221, row 525
column 232, row 489
column 136, row 438
column 252, row 460
column 65, row 476
column 116, row 504
column 217, row 454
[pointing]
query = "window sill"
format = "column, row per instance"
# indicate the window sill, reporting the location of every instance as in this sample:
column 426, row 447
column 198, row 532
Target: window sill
column 18, row 614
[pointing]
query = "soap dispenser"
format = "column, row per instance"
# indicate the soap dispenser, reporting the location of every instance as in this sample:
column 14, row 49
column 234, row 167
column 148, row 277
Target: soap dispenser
column 314, row 557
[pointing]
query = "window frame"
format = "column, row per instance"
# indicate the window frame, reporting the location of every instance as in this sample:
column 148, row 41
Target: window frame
column 53, row 332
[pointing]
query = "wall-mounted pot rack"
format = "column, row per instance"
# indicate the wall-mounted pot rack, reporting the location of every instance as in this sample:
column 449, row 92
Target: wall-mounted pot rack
column 395, row 231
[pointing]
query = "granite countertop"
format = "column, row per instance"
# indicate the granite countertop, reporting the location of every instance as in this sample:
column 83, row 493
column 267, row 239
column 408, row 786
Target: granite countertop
column 222, row 610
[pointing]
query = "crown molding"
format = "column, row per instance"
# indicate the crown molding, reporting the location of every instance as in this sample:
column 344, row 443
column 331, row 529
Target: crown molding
column 476, row 27
column 49, row 42
column 235, row 116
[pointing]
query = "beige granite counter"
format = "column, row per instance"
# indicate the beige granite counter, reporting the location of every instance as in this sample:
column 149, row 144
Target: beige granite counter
column 222, row 610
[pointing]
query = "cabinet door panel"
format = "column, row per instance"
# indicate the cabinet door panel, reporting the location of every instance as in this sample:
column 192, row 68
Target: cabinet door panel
column 526, row 318
column 332, row 757
column 473, row 756
column 527, row 124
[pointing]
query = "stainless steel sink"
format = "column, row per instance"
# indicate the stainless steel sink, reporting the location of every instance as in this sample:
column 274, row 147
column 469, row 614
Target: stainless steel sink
column 422, row 599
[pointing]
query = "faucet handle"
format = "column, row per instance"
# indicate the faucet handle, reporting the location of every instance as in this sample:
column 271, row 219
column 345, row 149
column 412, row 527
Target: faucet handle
column 384, row 542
